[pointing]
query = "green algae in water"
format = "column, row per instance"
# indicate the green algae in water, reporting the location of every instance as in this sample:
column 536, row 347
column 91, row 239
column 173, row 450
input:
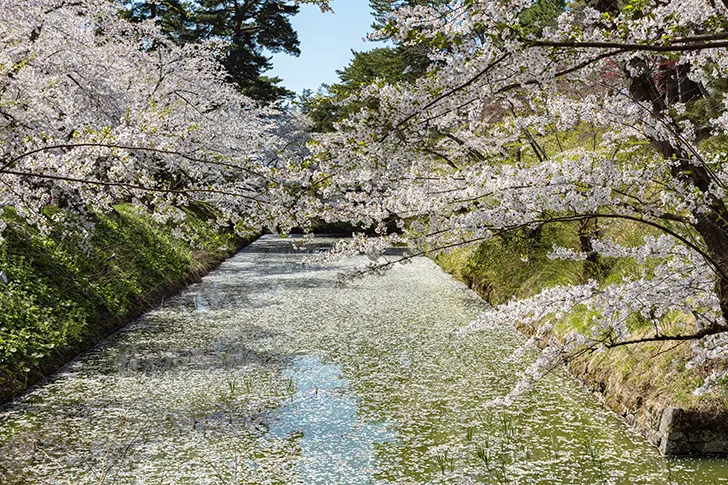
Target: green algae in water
column 269, row 372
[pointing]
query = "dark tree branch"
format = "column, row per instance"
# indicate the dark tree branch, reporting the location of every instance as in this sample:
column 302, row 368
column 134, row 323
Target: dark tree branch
column 128, row 185
column 628, row 46
column 69, row 146
column 669, row 338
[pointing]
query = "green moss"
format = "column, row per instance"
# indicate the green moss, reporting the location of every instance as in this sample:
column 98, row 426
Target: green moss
column 65, row 292
column 578, row 320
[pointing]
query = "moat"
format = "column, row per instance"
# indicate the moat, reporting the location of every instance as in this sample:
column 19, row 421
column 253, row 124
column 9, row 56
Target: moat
column 271, row 371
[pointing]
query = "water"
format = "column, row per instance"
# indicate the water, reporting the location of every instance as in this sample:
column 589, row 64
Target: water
column 323, row 416
column 269, row 372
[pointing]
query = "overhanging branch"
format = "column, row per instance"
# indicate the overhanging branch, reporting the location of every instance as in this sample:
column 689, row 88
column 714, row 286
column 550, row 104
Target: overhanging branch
column 625, row 46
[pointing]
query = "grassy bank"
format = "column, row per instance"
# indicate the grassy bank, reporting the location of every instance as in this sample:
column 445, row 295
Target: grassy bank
column 645, row 374
column 63, row 293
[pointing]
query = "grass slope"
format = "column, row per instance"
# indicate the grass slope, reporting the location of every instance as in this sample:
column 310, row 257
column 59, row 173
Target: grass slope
column 64, row 294
column 629, row 376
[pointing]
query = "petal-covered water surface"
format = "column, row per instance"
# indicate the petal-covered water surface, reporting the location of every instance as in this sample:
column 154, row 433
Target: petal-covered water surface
column 273, row 372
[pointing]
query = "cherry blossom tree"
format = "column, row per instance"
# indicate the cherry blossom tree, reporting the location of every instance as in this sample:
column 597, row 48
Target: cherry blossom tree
column 95, row 110
column 457, row 156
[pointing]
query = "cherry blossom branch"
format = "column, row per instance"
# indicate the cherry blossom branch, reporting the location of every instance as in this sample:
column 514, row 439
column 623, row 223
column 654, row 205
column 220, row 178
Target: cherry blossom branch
column 70, row 146
column 572, row 218
column 450, row 92
column 131, row 186
column 668, row 338
column 701, row 37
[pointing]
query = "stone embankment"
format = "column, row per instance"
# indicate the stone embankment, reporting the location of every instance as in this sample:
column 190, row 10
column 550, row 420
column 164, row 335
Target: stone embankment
column 674, row 430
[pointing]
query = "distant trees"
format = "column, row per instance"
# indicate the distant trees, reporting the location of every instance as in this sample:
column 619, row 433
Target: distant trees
column 389, row 64
column 384, row 64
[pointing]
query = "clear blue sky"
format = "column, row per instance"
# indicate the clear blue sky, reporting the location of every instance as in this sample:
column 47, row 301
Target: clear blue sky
column 326, row 44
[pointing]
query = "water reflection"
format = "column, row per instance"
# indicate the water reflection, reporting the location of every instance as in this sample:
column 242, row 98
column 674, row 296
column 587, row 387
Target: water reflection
column 336, row 446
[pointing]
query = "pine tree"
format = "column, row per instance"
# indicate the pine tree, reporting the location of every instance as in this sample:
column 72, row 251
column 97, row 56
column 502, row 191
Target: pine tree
column 249, row 26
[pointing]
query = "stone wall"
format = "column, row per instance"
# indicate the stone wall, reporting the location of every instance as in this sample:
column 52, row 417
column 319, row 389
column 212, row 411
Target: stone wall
column 673, row 430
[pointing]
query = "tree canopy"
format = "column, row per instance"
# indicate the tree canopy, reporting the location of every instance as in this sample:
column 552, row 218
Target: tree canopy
column 96, row 110
column 487, row 119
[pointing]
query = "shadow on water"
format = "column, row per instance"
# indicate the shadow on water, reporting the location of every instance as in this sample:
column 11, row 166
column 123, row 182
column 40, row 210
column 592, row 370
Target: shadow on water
column 295, row 245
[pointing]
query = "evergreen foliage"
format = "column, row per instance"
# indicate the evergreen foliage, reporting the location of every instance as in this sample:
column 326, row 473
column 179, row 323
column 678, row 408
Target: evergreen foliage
column 384, row 64
column 248, row 28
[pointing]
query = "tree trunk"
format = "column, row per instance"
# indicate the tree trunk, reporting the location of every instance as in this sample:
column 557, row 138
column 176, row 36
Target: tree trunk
column 713, row 225
column 593, row 265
